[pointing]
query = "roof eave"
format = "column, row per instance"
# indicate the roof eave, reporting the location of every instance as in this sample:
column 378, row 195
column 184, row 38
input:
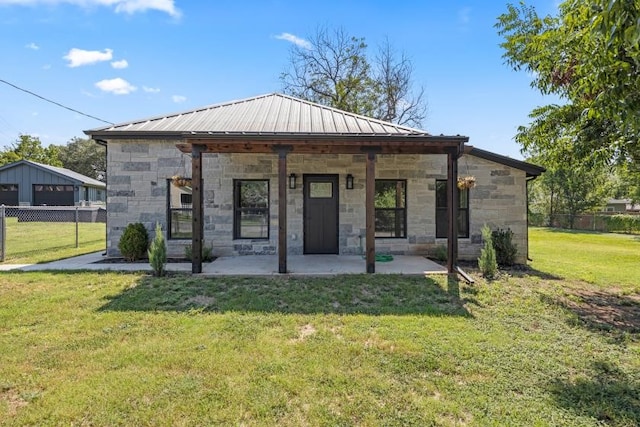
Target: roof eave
column 531, row 170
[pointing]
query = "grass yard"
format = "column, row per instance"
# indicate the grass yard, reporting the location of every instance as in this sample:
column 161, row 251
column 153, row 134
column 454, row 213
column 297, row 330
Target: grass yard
column 604, row 259
column 37, row 242
column 527, row 349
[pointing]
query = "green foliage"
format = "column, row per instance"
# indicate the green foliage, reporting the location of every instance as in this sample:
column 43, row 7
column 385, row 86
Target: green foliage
column 629, row 224
column 487, row 261
column 134, row 242
column 506, row 250
column 84, row 156
column 207, row 253
column 440, row 253
column 29, row 147
column 568, row 188
column 334, row 69
column 589, row 55
column 158, row 252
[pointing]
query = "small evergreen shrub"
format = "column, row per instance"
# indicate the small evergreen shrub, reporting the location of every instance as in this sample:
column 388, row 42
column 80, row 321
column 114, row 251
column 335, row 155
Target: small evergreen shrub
column 134, row 242
column 506, row 250
column 158, row 253
column 487, row 261
column 207, row 253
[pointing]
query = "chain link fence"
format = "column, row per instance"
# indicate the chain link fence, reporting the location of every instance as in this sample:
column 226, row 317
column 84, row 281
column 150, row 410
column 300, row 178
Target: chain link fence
column 606, row 222
column 40, row 233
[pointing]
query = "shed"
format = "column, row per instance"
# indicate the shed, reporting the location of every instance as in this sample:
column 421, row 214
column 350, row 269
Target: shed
column 27, row 183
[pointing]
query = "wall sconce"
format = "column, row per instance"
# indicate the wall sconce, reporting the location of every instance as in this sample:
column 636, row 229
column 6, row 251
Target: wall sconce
column 292, row 181
column 349, row 182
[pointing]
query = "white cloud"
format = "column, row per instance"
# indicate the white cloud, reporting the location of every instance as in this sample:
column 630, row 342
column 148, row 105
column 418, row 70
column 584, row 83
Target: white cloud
column 464, row 15
column 79, row 57
column 116, row 86
column 119, row 6
column 32, row 46
column 178, row 98
column 46, row 67
column 295, row 40
column 150, row 89
column 120, row 64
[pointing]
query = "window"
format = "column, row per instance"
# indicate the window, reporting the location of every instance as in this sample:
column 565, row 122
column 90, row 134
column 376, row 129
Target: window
column 251, row 209
column 442, row 219
column 8, row 187
column 391, row 208
column 180, row 213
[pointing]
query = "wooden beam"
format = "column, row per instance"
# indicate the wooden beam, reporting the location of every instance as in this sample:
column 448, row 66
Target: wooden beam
column 370, row 214
column 318, row 147
column 197, row 229
column 282, row 210
column 452, row 212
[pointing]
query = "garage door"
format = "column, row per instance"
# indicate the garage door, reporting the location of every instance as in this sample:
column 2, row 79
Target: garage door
column 53, row 195
column 9, row 194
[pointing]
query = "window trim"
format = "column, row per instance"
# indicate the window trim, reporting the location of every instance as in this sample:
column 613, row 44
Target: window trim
column 405, row 209
column 237, row 210
column 445, row 233
column 170, row 211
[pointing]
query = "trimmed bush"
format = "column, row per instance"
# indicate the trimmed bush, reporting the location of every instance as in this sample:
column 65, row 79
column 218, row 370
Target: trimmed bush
column 506, row 250
column 623, row 223
column 134, row 242
column 158, row 253
column 487, row 261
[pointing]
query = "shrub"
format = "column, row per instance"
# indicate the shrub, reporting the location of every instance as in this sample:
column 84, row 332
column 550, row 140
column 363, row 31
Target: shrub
column 158, row 252
column 506, row 250
column 487, row 261
column 623, row 223
column 440, row 253
column 134, row 242
column 207, row 253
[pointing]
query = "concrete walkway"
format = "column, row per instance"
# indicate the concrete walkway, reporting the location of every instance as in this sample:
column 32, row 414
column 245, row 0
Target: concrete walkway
column 254, row 265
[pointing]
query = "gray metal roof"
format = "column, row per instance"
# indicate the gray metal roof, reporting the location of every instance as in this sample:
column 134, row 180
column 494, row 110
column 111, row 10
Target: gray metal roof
column 266, row 114
column 74, row 176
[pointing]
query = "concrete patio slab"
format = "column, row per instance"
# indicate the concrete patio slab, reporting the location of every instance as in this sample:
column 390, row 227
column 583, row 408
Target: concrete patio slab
column 253, row 265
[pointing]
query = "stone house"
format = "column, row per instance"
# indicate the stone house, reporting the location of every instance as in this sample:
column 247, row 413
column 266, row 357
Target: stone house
column 278, row 175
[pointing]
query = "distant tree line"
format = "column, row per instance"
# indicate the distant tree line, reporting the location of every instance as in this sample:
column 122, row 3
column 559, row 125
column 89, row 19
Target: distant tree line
column 80, row 155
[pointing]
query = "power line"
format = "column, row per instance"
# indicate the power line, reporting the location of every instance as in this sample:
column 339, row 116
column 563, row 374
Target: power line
column 55, row 103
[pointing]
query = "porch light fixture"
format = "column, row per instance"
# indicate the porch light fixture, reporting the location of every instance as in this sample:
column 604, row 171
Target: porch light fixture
column 292, row 181
column 349, row 182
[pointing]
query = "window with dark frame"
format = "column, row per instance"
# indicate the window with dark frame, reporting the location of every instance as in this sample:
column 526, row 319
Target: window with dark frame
column 251, row 209
column 180, row 215
column 390, row 203
column 442, row 217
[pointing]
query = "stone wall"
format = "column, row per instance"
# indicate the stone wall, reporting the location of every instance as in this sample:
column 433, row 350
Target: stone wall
column 137, row 192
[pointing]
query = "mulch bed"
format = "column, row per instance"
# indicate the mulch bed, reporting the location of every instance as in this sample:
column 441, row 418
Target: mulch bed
column 119, row 260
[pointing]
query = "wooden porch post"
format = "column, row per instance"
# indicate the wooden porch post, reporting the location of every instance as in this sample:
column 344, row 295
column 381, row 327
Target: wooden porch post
column 282, row 209
column 370, row 214
column 452, row 211
column 197, row 230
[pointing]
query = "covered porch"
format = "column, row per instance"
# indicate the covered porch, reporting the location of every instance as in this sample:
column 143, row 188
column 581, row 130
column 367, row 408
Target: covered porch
column 319, row 144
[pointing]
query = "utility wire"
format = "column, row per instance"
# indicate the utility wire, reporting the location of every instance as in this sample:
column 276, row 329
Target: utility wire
column 55, row 103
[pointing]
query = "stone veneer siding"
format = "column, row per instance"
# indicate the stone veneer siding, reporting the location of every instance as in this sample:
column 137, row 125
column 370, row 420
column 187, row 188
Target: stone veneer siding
column 137, row 192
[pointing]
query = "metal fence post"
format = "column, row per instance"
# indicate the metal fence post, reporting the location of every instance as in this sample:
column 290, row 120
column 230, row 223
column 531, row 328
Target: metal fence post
column 3, row 231
column 77, row 240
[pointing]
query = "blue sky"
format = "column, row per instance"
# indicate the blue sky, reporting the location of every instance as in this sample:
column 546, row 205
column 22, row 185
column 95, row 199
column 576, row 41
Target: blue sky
column 121, row 60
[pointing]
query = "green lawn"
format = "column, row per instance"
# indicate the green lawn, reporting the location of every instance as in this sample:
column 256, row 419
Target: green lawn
column 605, row 259
column 128, row 349
column 37, row 242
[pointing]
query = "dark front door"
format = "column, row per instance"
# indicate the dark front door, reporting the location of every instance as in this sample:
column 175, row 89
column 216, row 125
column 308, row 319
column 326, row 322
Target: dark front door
column 320, row 214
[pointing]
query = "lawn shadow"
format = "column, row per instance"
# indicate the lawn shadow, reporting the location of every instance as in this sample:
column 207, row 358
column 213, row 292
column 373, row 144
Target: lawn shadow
column 601, row 311
column 347, row 294
column 608, row 395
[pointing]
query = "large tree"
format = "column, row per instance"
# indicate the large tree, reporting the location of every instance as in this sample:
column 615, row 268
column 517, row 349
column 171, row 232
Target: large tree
column 588, row 55
column 84, row 156
column 334, row 69
column 29, row 147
